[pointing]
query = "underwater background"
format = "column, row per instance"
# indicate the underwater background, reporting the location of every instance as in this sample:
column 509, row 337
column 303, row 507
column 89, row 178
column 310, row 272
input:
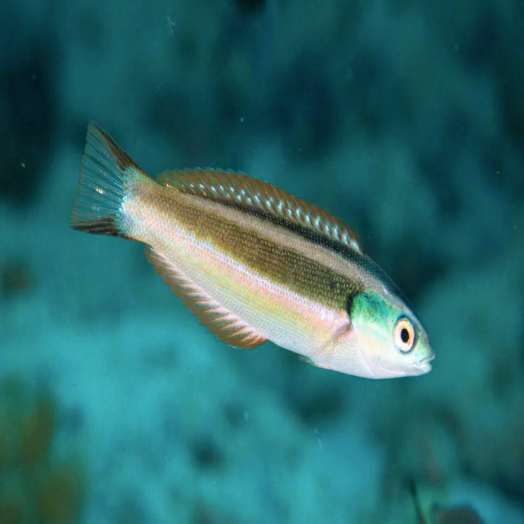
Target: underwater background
column 403, row 118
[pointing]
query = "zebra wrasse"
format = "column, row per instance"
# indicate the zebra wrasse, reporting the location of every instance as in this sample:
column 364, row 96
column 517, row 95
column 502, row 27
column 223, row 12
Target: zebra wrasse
column 254, row 263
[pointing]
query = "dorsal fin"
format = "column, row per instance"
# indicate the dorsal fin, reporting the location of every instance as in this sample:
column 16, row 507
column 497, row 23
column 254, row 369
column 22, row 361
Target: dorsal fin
column 221, row 322
column 226, row 186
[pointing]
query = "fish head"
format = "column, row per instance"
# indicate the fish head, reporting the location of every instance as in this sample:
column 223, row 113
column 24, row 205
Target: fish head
column 390, row 338
column 384, row 339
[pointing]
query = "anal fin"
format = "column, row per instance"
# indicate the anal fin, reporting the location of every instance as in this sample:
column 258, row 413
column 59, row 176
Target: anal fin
column 221, row 322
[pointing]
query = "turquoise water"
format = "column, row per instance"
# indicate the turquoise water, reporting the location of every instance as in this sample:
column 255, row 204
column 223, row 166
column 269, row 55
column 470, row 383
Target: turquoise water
column 405, row 119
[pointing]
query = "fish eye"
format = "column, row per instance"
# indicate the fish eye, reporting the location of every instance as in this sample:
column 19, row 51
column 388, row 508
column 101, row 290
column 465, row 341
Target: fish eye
column 404, row 335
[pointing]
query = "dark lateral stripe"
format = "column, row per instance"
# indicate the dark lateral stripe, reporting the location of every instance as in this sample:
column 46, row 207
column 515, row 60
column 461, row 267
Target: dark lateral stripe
column 324, row 241
column 105, row 226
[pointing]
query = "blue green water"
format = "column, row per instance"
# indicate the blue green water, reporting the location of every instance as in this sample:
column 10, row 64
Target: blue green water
column 403, row 118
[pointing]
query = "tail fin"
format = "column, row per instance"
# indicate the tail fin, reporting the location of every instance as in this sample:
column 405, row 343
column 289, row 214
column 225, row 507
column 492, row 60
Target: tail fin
column 102, row 185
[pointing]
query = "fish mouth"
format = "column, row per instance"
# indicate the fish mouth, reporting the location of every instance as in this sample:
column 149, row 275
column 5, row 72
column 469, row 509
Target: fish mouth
column 420, row 367
column 424, row 364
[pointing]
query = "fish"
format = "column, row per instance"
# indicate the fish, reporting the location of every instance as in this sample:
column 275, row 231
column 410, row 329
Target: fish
column 253, row 262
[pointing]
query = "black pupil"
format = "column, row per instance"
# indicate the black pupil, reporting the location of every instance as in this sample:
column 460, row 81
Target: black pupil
column 404, row 335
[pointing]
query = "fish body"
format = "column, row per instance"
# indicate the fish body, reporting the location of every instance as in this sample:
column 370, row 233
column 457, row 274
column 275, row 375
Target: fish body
column 255, row 263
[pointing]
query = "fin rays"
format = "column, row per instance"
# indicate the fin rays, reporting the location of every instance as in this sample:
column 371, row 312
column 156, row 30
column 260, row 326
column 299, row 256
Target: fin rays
column 221, row 322
column 102, row 185
column 237, row 188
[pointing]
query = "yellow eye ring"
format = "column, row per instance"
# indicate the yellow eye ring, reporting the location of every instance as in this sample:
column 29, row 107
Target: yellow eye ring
column 404, row 335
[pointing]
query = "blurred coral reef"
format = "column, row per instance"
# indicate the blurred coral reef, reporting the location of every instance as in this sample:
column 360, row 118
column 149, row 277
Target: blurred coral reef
column 405, row 119
column 36, row 487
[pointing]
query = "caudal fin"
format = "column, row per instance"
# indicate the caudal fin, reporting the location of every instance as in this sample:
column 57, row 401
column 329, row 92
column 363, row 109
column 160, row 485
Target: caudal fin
column 106, row 169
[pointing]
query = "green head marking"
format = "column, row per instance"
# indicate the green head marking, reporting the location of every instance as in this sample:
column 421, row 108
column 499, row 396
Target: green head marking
column 389, row 338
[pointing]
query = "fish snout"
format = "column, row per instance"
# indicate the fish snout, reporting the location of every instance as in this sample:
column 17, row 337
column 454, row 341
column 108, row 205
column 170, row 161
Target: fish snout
column 424, row 364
